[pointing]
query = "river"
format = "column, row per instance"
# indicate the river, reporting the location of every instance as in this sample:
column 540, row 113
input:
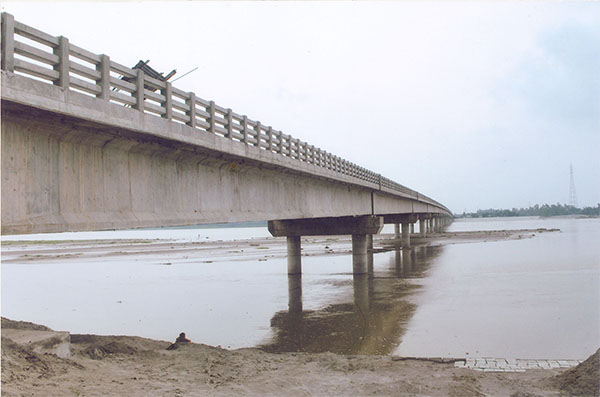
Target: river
column 529, row 298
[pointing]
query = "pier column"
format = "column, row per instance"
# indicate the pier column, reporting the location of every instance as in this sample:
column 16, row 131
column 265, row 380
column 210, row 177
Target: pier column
column 370, row 253
column 294, row 255
column 357, row 226
column 412, row 228
column 359, row 254
column 405, row 235
column 362, row 296
column 396, row 230
column 295, row 293
column 422, row 226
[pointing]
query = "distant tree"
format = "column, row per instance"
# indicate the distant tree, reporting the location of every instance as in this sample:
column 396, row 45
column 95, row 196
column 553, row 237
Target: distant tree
column 544, row 210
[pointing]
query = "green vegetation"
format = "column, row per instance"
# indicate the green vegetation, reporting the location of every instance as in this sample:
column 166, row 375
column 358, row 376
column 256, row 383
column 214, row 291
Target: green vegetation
column 536, row 210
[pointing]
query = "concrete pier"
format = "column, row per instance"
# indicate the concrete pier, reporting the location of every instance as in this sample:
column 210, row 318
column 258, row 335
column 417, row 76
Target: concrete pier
column 405, row 235
column 359, row 254
column 295, row 293
column 396, row 230
column 294, row 255
column 362, row 296
column 422, row 226
column 361, row 228
column 370, row 269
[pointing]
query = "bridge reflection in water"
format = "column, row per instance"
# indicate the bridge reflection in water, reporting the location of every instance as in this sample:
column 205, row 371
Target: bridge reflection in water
column 372, row 322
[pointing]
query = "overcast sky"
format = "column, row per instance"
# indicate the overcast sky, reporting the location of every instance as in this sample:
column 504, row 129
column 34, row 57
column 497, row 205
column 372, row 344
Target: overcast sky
column 476, row 104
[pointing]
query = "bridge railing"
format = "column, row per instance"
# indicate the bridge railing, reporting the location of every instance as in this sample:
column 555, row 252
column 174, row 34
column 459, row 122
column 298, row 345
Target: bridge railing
column 35, row 54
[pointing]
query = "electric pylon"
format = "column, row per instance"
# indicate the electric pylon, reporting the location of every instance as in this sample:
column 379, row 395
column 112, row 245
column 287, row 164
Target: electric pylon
column 572, row 193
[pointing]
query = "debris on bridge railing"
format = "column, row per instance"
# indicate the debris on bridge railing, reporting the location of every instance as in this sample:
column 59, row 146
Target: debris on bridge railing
column 32, row 53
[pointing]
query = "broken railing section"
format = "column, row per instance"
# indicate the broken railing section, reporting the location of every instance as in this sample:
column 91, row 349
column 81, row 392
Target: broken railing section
column 361, row 228
column 35, row 54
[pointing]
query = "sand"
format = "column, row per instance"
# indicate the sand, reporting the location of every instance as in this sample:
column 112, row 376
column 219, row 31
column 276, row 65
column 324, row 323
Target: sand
column 133, row 366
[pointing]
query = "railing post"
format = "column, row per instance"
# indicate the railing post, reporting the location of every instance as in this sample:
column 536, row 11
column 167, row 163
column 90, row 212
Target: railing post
column 280, row 148
column 104, row 68
column 167, row 92
column 191, row 102
column 62, row 51
column 211, row 119
column 245, row 129
column 139, row 90
column 8, row 42
column 229, row 118
column 257, row 129
column 270, row 135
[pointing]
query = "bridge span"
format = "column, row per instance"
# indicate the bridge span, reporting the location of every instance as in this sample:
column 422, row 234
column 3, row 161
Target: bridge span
column 90, row 144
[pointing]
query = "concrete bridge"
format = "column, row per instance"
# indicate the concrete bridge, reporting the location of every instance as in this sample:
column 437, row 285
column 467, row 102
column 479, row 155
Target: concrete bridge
column 90, row 144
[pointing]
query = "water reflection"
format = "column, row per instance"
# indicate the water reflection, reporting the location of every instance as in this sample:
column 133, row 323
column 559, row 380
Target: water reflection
column 371, row 321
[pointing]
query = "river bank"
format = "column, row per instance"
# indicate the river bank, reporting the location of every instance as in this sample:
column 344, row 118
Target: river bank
column 133, row 366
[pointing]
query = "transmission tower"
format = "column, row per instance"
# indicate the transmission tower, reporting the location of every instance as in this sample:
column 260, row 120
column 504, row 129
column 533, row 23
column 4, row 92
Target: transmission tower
column 572, row 193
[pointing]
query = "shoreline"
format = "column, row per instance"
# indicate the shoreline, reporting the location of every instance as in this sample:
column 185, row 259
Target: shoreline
column 129, row 365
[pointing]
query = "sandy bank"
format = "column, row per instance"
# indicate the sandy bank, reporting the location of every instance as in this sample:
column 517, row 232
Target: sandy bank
column 133, row 366
column 249, row 249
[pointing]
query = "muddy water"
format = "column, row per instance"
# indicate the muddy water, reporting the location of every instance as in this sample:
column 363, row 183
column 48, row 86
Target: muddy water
column 530, row 298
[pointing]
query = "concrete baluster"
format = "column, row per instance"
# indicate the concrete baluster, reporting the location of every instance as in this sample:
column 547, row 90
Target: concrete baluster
column 8, row 42
column 245, row 129
column 62, row 51
column 229, row 126
column 191, row 102
column 257, row 129
column 139, row 90
column 167, row 92
column 270, row 135
column 104, row 68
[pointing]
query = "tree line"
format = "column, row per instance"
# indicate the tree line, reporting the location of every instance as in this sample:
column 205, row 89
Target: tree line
column 536, row 210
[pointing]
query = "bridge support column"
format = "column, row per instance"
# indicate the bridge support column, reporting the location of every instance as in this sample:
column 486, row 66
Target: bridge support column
column 358, row 226
column 370, row 253
column 422, row 226
column 412, row 228
column 405, row 235
column 295, row 293
column 294, row 255
column 396, row 230
column 359, row 254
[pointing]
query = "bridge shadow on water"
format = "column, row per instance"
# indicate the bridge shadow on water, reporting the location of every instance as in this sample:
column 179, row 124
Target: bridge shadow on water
column 373, row 322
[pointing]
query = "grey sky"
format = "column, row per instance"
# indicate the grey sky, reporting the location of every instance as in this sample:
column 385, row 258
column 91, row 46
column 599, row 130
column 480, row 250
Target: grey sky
column 477, row 105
